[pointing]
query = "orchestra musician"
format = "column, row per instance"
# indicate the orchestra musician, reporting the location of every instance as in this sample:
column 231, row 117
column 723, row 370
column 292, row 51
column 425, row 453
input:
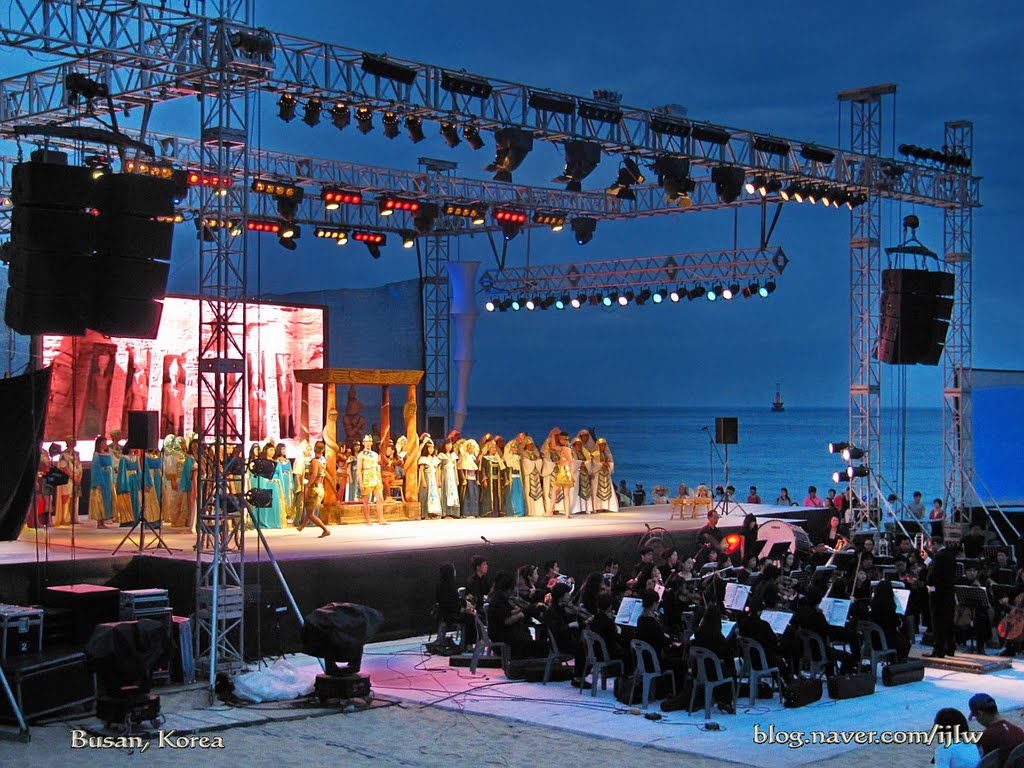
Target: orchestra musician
column 709, row 537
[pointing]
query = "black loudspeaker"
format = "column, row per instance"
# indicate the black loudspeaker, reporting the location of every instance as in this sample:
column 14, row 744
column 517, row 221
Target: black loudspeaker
column 47, row 683
column 143, row 430
column 435, row 426
column 914, row 314
column 727, row 430
column 851, row 686
column 801, row 692
column 901, row 674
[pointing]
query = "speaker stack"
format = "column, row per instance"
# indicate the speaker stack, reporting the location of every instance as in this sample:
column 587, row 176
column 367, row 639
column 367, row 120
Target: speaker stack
column 914, row 316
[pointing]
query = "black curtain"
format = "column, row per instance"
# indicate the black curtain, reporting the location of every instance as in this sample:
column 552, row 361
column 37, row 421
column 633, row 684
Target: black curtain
column 22, row 416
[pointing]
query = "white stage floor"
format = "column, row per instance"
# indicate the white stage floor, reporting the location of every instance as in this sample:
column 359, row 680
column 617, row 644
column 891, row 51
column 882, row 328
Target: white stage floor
column 399, row 670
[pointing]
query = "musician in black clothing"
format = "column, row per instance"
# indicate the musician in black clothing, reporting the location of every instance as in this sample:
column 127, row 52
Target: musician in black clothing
column 883, row 613
column 807, row 616
column 603, row 624
column 973, row 543
column 650, row 629
column 479, row 585
column 709, row 537
column 941, row 578
column 565, row 629
column 756, row 628
column 974, row 621
column 507, row 623
column 709, row 635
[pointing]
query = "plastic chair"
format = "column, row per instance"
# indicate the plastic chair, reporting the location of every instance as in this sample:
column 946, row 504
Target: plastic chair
column 755, row 667
column 1016, row 757
column 702, row 658
column 555, row 657
column 993, row 759
column 599, row 662
column 484, row 643
column 873, row 646
column 642, row 654
column 813, row 653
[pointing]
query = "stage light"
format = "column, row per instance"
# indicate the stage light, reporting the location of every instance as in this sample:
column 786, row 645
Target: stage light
column 490, row 306
column 196, row 179
column 840, row 198
column 629, row 174
column 754, row 289
column 339, row 236
column 289, row 231
column 562, row 301
column 450, row 131
column 414, row 125
column 388, row 205
column 78, row 86
column 581, row 158
column 157, row 170
column 731, row 291
column 512, row 145
column 277, row 189
column 552, row 219
column 659, row 295
column 287, row 242
column 364, row 236
column 311, row 112
column 674, row 178
column 287, row 207
column 204, row 231
column 390, row 121
column 852, row 472
column 609, row 299
column 840, row 477
column 643, row 296
column 601, row 112
column 826, row 197
column 710, row 134
column 531, row 304
column 382, row 66
column 583, row 227
column 547, row 302
column 100, row 165
column 544, row 101
column 769, row 186
column 475, row 212
column 812, row 195
column 816, row 154
column 408, row 239
column 423, row 221
column 787, row 192
column 728, row 180
column 286, row 107
column 261, row 498
column 340, row 116
column 695, row 293
column 508, row 214
column 669, row 126
column 578, row 301
column 253, row 45
column 515, row 305
column 626, row 297
column 852, row 453
column 856, row 199
column 714, row 292
column 767, row 288
column 263, row 225
column 364, row 120
column 732, row 542
column 676, row 295
column 771, row 146
column 838, row 447
column 753, row 183
column 472, row 136
column 468, row 85
column 335, row 197
column 504, row 304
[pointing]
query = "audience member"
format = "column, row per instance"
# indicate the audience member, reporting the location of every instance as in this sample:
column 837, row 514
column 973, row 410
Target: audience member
column 1000, row 734
column 752, row 497
column 953, row 751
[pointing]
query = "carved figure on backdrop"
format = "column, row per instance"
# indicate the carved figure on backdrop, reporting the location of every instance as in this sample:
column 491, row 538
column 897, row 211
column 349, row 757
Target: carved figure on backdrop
column 368, row 465
column 515, row 503
column 602, row 466
column 285, row 395
column 101, row 484
column 172, row 397
column 562, row 482
column 97, row 393
column 70, row 463
column 410, row 462
column 533, row 487
column 257, row 397
column 449, row 478
column 334, row 468
column 353, row 421
column 584, row 490
column 136, row 382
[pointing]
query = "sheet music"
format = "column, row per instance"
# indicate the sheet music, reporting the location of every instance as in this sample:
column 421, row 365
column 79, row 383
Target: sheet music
column 836, row 610
column 777, row 620
column 660, row 589
column 902, row 596
column 629, row 611
column 727, row 628
column 736, row 596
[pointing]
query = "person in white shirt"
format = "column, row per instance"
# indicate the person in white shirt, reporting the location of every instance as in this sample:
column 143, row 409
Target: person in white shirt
column 953, row 751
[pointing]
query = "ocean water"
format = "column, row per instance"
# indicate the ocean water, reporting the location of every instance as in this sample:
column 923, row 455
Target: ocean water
column 668, row 445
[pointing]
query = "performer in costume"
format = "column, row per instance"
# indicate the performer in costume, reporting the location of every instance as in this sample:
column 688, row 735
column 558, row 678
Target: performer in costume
column 492, row 481
column 70, row 463
column 583, row 492
column 101, row 480
column 313, row 493
column 260, row 514
column 283, row 475
column 129, row 487
column 152, row 486
column 388, row 470
column 549, row 459
column 468, row 467
column 515, row 504
column 605, row 498
column 368, row 465
column 300, row 475
column 449, row 479
column 562, row 482
column 172, row 509
column 430, row 492
column 275, row 515
column 533, row 487
column 188, row 483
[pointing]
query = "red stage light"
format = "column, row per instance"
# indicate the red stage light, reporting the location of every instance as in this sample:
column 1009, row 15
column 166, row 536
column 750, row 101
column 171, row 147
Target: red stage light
column 374, row 238
column 390, row 204
column 263, row 225
column 334, row 197
column 197, row 179
column 732, row 543
column 514, row 217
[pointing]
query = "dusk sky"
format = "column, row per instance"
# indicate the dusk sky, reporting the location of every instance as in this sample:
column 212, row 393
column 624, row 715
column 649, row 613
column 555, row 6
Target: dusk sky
column 769, row 67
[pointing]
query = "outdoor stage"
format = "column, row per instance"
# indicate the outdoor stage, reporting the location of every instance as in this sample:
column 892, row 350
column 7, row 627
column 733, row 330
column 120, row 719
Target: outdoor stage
column 392, row 568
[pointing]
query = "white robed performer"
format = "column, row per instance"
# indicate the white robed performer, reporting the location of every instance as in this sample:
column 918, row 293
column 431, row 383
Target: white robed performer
column 582, row 498
column 533, row 487
column 602, row 468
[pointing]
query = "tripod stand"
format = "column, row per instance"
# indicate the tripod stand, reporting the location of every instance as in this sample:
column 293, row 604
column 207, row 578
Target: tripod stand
column 724, row 506
column 141, row 522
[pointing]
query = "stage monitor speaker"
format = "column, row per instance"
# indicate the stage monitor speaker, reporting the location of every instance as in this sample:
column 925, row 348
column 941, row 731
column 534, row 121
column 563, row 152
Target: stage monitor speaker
column 143, row 430
column 727, row 430
column 435, row 426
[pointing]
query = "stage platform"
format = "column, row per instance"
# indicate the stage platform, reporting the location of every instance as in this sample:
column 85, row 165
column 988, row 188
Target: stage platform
column 393, row 567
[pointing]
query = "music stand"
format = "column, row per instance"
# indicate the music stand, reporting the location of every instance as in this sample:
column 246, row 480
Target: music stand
column 755, row 549
column 975, row 598
column 778, row 551
column 141, row 522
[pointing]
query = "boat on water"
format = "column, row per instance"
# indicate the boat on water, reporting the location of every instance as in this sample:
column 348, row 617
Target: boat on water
column 778, row 406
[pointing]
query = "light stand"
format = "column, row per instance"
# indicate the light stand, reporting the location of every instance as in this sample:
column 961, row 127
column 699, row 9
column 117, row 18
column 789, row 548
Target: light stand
column 728, row 501
column 141, row 522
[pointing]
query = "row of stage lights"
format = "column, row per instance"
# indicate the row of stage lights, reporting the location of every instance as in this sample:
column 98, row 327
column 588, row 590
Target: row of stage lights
column 629, row 296
column 850, row 453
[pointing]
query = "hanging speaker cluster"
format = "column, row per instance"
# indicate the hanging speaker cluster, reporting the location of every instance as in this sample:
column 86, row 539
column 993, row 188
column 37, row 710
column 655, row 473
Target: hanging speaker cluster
column 914, row 316
column 88, row 250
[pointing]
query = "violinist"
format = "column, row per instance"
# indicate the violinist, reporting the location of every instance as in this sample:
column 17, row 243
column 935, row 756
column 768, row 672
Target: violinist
column 564, row 626
column 709, row 537
column 1011, row 628
column 603, row 624
column 507, row 623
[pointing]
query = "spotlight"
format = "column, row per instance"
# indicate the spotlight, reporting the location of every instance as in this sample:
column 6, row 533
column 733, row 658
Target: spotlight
column 695, row 293
column 263, row 225
column 450, row 131
column 837, row 447
column 754, row 289
column 601, row 112
column 287, row 207
column 583, row 228
column 408, row 239
column 286, row 107
column 852, row 472
column 767, row 289
column 468, row 85
column 489, row 305
column 676, row 295
column 475, row 212
column 578, row 301
column 372, row 240
column 609, row 299
column 728, row 180
column 382, row 66
column 659, row 295
column 414, row 125
column 339, row 236
column 253, row 45
column 78, row 86
column 554, row 220
column 826, row 197
column 423, row 222
column 545, row 101
column 787, row 192
column 852, row 453
column 99, row 164
column 261, row 498
column 561, row 302
column 816, row 154
column 388, row 205
column 340, row 116
column 277, row 189
column 515, row 305
column 753, row 183
column 287, row 242
column 511, row 221
column 531, row 304
column 674, row 178
column 364, row 120
column 710, row 134
column 714, row 292
column 311, row 112
column 856, row 199
column 472, row 136
column 629, row 174
column 335, row 197
column 390, row 121
column 547, row 302
column 512, row 145
column 204, row 231
column 730, row 292
column 581, row 158
column 643, row 296
column 840, row 477
column 289, row 231
column 771, row 146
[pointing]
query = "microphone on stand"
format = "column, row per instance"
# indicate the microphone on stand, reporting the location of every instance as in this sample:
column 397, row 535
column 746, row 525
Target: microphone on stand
column 485, row 540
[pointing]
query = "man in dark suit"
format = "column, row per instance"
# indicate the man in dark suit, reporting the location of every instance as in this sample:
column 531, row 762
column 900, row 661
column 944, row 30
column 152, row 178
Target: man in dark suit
column 941, row 578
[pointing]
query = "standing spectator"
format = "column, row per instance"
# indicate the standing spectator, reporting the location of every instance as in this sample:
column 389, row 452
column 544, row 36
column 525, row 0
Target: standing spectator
column 753, row 498
column 625, row 499
column 813, row 499
column 999, row 734
column 783, row 500
column 915, row 509
column 937, row 516
column 639, row 495
column 830, row 500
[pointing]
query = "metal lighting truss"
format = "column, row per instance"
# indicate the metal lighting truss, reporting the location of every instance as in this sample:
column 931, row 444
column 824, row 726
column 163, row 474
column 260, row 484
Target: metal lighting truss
column 743, row 264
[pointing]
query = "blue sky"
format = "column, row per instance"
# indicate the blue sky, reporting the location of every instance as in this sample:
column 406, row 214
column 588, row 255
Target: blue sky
column 769, row 67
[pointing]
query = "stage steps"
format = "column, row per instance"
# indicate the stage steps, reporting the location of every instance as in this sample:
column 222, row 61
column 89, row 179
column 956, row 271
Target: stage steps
column 969, row 663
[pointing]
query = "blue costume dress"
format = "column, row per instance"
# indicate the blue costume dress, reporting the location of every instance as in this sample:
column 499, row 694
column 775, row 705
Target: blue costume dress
column 129, row 487
column 101, row 493
column 153, row 487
